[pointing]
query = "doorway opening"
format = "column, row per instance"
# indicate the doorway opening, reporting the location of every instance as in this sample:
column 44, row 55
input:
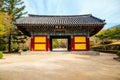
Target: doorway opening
column 60, row 43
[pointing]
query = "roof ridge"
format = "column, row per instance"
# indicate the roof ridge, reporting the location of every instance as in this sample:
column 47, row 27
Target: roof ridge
column 32, row 15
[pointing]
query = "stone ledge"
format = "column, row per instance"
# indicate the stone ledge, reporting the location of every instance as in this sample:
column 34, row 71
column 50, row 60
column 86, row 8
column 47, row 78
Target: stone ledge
column 67, row 52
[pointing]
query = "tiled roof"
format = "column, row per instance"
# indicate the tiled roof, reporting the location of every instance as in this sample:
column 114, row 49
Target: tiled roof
column 73, row 24
column 60, row 20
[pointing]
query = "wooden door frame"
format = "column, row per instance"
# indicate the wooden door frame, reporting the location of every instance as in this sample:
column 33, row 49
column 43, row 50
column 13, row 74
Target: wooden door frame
column 61, row 37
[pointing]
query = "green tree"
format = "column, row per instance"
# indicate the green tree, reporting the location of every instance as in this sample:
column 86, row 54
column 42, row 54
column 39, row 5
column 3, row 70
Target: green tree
column 108, row 35
column 115, row 33
column 55, row 43
column 17, row 39
column 1, row 4
column 112, row 33
column 5, row 26
column 15, row 8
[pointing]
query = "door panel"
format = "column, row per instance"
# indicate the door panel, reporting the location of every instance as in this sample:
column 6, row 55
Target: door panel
column 40, row 43
column 80, row 43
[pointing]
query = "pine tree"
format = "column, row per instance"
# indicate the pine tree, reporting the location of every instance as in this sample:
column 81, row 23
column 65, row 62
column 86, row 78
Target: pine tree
column 5, row 26
column 15, row 9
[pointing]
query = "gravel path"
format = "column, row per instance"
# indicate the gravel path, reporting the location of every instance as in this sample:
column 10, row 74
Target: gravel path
column 59, row 67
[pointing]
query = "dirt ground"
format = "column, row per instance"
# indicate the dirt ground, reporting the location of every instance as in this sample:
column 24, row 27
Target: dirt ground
column 59, row 67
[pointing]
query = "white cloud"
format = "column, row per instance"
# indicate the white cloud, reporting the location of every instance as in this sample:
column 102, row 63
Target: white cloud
column 105, row 9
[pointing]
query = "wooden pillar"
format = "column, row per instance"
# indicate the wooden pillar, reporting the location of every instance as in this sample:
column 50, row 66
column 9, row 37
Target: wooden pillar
column 72, row 44
column 48, row 43
column 32, row 44
column 88, row 44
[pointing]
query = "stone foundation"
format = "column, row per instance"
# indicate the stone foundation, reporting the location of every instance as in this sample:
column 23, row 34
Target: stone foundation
column 67, row 52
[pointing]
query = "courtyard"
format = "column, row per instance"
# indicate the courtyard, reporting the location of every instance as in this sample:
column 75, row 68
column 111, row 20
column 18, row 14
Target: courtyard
column 59, row 67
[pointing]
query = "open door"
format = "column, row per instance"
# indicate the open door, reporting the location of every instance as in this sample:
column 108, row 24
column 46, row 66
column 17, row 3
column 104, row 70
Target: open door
column 60, row 43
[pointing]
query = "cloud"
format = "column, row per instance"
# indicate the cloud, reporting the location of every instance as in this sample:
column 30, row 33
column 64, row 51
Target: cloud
column 104, row 9
column 34, row 6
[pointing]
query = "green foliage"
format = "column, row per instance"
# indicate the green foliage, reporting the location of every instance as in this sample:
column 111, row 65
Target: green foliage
column 1, row 4
column 63, row 43
column 1, row 54
column 2, row 29
column 105, row 38
column 108, row 51
column 118, row 53
column 59, row 43
column 14, row 8
column 55, row 43
column 15, row 47
column 2, row 45
column 10, row 10
column 25, row 48
column 112, row 33
column 5, row 23
column 5, row 26
column 106, row 42
column 18, row 37
column 108, row 47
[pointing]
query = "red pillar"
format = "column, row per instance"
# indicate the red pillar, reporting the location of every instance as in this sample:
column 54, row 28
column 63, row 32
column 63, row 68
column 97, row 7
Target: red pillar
column 48, row 44
column 32, row 44
column 72, row 44
column 88, row 44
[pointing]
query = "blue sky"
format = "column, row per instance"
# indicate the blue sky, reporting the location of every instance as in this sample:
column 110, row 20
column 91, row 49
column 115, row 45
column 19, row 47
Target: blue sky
column 104, row 9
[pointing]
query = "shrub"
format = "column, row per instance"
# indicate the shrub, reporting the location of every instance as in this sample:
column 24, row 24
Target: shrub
column 3, row 44
column 106, row 42
column 107, row 47
column 15, row 47
column 108, row 51
column 118, row 53
column 3, row 47
column 25, row 49
column 1, row 54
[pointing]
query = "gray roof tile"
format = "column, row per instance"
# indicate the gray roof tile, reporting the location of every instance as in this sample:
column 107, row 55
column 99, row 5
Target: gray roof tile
column 62, row 20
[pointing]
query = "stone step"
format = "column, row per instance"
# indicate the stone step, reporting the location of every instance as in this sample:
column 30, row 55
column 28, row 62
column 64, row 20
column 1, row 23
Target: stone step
column 59, row 52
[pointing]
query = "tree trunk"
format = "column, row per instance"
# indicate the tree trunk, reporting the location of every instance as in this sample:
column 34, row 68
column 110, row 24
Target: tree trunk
column 9, row 43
